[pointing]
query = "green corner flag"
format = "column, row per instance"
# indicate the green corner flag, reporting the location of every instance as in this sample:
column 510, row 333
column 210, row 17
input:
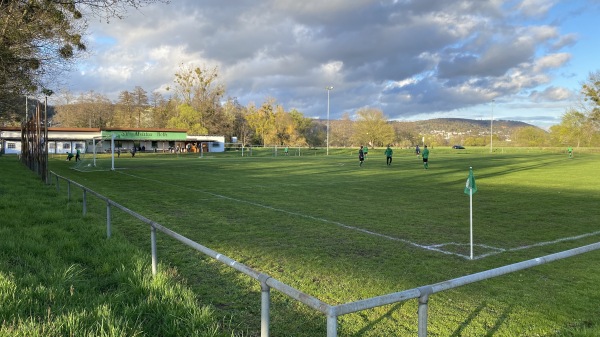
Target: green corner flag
column 470, row 186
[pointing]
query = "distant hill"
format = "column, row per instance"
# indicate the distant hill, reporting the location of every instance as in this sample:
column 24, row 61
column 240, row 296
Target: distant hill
column 466, row 126
column 463, row 124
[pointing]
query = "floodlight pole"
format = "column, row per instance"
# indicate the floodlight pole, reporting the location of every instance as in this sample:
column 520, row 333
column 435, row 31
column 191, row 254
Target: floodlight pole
column 112, row 151
column 328, row 90
column 492, row 127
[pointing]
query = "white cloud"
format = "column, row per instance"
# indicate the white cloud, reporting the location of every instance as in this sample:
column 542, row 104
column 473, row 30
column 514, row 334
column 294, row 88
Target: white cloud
column 411, row 57
column 536, row 8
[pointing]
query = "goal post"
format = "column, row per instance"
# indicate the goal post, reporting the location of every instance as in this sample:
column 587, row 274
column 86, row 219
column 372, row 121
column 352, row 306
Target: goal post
column 99, row 155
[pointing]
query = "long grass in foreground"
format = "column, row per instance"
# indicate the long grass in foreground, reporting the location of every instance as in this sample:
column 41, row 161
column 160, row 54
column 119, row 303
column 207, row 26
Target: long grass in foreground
column 304, row 220
column 60, row 276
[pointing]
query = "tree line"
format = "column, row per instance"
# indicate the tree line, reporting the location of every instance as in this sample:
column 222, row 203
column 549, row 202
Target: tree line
column 198, row 105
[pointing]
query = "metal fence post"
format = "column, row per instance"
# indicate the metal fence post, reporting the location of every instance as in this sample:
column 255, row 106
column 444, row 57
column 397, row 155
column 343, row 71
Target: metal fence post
column 153, row 248
column 84, row 202
column 422, row 311
column 332, row 325
column 265, row 306
column 108, row 230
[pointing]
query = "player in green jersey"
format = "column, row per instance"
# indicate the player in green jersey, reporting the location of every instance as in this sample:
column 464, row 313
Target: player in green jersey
column 388, row 155
column 425, row 155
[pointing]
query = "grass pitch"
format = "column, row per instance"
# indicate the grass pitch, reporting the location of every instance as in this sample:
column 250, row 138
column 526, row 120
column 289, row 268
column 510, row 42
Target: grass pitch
column 341, row 233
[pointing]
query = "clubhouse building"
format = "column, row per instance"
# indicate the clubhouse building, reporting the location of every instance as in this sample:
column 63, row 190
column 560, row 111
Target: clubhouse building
column 63, row 140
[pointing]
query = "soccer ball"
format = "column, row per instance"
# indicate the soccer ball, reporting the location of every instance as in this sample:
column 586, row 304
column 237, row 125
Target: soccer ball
column 89, row 164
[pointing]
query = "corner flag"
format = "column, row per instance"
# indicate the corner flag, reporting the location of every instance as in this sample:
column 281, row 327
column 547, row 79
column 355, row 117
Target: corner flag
column 470, row 189
column 470, row 186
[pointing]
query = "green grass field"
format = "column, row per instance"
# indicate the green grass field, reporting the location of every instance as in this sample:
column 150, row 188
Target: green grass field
column 341, row 233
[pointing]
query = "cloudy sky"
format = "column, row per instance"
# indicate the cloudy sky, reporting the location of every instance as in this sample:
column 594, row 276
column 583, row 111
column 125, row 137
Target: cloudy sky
column 413, row 59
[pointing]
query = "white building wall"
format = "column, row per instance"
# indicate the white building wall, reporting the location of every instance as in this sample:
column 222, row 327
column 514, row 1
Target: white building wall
column 11, row 147
column 61, row 142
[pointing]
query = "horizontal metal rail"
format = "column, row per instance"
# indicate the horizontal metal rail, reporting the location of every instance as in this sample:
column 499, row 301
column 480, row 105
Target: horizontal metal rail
column 266, row 281
column 331, row 311
column 457, row 282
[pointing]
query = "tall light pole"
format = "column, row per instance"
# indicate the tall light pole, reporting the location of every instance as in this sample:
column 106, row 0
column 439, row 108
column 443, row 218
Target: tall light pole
column 328, row 90
column 492, row 127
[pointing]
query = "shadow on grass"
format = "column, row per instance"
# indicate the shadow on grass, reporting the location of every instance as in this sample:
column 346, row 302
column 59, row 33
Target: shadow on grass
column 373, row 323
column 490, row 330
column 500, row 321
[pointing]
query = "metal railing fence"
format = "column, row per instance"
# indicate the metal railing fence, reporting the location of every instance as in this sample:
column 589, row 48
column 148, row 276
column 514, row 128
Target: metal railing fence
column 332, row 312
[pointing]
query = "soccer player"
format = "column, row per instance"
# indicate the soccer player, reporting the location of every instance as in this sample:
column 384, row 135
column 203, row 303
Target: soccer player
column 417, row 151
column 366, row 151
column 361, row 156
column 388, row 155
column 78, row 153
column 570, row 150
column 425, row 157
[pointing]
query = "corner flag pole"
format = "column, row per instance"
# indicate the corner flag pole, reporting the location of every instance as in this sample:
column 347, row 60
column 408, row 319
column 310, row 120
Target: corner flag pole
column 471, row 219
column 470, row 188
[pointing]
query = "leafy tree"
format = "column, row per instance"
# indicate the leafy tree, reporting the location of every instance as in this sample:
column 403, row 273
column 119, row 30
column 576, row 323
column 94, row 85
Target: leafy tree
column 301, row 125
column 476, row 141
column 575, row 128
column 188, row 119
column 591, row 92
column 262, row 122
column 531, row 136
column 35, row 38
column 284, row 126
column 198, row 88
column 39, row 39
column 12, row 109
column 580, row 127
column 372, row 128
column 290, row 127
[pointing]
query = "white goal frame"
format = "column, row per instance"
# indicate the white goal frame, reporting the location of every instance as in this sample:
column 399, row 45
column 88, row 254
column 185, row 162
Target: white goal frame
column 112, row 149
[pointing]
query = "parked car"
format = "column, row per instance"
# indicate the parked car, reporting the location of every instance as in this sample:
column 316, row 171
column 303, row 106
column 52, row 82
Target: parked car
column 458, row 147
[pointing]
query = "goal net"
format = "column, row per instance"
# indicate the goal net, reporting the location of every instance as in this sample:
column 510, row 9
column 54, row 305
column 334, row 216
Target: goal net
column 99, row 155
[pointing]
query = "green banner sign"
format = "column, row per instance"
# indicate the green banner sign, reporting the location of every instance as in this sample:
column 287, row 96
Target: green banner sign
column 145, row 135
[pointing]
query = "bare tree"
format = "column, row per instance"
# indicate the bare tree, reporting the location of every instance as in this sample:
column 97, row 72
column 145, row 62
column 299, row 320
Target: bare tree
column 140, row 105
